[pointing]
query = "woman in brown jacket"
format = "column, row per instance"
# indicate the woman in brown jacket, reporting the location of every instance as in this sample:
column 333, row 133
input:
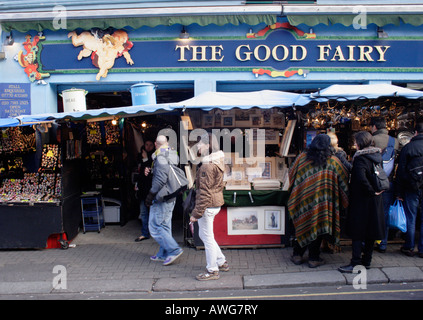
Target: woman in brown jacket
column 208, row 200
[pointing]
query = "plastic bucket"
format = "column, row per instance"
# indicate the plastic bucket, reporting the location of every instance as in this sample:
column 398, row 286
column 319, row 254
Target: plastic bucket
column 143, row 93
column 74, row 100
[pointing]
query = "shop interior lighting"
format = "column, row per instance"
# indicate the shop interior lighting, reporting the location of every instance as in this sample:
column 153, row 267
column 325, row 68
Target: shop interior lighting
column 115, row 121
column 184, row 35
column 381, row 34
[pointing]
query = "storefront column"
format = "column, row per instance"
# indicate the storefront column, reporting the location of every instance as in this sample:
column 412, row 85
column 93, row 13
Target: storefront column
column 204, row 85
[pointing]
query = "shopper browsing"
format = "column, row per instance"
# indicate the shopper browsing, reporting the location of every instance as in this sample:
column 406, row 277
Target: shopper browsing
column 143, row 186
column 208, row 201
column 160, row 220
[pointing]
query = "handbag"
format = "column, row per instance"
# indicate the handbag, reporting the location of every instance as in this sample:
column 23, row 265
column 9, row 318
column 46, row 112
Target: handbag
column 189, row 203
column 397, row 219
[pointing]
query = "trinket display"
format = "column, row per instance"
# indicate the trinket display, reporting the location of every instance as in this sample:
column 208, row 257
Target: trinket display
column 34, row 187
column 14, row 139
column 112, row 132
column 93, row 133
column 50, row 158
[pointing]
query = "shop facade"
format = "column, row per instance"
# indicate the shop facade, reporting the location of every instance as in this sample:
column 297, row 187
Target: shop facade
column 186, row 57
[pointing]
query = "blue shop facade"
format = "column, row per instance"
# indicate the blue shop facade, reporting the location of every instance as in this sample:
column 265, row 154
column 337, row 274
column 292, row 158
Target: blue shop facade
column 181, row 57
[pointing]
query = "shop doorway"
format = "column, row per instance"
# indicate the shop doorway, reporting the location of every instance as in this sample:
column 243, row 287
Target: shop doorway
column 110, row 166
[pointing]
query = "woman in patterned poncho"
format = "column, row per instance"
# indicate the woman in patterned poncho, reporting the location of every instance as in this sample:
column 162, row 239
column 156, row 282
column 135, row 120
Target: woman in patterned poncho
column 319, row 185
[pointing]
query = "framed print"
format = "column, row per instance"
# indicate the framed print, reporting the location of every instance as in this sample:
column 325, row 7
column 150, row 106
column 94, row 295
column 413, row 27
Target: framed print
column 256, row 220
column 218, row 119
column 208, row 120
column 278, row 120
column 274, row 220
column 287, row 137
column 268, row 168
column 243, row 220
column 256, row 120
column 267, row 118
column 228, row 121
column 242, row 118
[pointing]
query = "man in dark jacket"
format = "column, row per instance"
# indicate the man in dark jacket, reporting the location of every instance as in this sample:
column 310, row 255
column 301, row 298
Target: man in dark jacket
column 381, row 140
column 160, row 221
column 409, row 191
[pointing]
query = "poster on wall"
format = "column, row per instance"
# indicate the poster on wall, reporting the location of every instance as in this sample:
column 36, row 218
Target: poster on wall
column 15, row 99
column 256, row 220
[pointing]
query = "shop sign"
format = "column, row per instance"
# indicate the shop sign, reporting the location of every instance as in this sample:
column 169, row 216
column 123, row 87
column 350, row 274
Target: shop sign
column 280, row 50
column 15, row 99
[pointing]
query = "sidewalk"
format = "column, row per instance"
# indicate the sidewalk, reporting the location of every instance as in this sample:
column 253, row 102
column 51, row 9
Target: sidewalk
column 110, row 261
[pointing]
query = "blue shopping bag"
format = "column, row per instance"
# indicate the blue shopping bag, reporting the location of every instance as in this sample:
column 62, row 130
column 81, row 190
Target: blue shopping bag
column 397, row 218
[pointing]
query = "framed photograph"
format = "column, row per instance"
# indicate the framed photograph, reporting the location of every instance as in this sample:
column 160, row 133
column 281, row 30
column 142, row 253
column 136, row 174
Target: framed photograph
column 278, row 120
column 228, row 121
column 208, row 120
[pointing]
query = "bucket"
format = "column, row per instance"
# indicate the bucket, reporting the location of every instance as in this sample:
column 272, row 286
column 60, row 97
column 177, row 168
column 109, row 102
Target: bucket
column 74, row 100
column 143, row 93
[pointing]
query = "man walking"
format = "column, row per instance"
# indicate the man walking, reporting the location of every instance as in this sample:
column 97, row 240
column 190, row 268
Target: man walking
column 160, row 220
column 389, row 146
column 409, row 180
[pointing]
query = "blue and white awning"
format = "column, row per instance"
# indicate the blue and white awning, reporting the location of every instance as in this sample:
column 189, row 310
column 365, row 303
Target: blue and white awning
column 363, row 91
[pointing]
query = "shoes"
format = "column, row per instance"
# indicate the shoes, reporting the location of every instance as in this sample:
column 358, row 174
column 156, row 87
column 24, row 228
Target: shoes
column 208, row 276
column 315, row 263
column 407, row 252
column 347, row 269
column 140, row 239
column 350, row 268
column 224, row 267
column 171, row 259
column 156, row 258
column 297, row 260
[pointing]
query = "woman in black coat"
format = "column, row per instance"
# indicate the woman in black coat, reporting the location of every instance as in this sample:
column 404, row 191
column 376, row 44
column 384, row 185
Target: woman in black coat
column 365, row 219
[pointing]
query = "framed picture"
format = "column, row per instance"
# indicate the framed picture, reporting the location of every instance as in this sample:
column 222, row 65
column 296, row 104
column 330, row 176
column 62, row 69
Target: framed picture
column 242, row 118
column 243, row 220
column 256, row 220
column 268, row 167
column 278, row 120
column 256, row 120
column 272, row 219
column 218, row 119
column 287, row 137
column 267, row 118
column 208, row 120
column 228, row 121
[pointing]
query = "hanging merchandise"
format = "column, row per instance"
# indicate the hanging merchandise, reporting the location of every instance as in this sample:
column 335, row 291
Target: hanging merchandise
column 50, row 158
column 93, row 133
column 112, row 132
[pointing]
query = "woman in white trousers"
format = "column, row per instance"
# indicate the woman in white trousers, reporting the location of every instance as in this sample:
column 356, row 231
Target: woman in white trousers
column 208, row 201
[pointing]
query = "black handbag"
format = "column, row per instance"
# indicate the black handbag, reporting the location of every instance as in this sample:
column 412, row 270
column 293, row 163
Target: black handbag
column 189, row 203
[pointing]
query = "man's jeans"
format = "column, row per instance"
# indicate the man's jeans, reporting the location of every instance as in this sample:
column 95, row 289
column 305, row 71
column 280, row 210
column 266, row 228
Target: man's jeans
column 388, row 200
column 160, row 225
column 214, row 255
column 144, row 216
column 411, row 204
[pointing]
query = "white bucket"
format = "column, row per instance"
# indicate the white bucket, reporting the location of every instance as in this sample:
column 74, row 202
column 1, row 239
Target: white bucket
column 74, row 100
